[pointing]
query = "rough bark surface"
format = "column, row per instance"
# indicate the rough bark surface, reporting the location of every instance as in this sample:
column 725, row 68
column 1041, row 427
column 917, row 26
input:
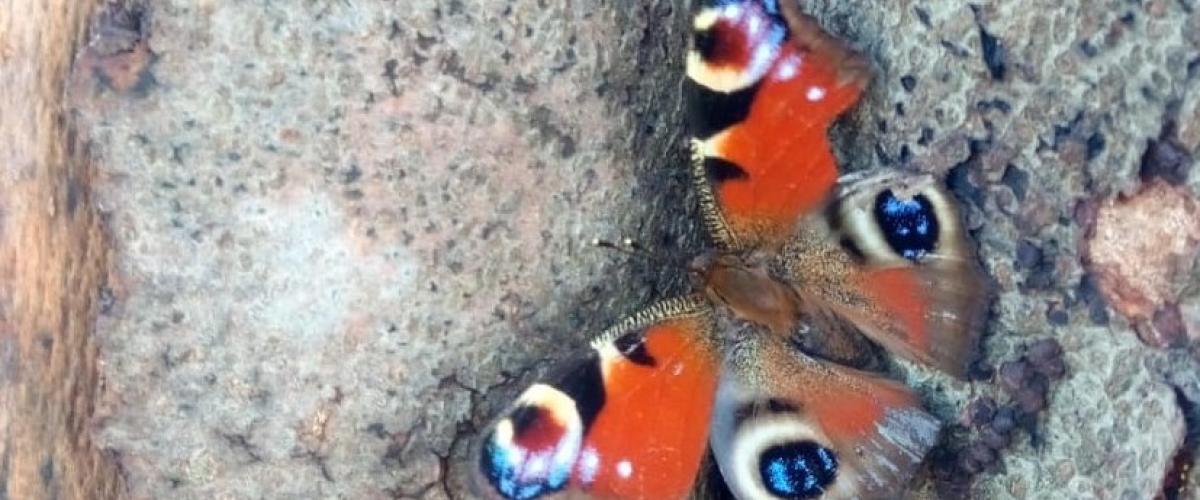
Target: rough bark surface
column 347, row 232
column 53, row 265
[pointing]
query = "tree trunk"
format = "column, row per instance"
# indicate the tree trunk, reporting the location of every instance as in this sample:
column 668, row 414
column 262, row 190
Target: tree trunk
column 54, row 261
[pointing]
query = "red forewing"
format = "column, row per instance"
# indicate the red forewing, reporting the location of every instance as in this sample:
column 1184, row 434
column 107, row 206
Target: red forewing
column 627, row 420
column 764, row 85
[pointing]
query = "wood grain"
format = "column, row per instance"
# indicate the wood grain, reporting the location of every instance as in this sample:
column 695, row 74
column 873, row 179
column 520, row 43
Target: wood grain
column 53, row 262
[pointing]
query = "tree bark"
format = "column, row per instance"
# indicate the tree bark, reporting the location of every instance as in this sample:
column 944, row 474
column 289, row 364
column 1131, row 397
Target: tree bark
column 53, row 265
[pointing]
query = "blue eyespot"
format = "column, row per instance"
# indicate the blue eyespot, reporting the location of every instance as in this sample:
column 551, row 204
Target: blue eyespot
column 770, row 6
column 520, row 473
column 909, row 226
column 504, row 476
column 797, row 470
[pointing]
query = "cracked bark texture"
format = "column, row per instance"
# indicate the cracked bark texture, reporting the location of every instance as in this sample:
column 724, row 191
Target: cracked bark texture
column 346, row 233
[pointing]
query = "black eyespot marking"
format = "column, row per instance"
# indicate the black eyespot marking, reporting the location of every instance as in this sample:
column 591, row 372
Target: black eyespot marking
column 769, row 407
column 797, row 470
column 909, row 226
column 524, row 416
column 713, row 483
column 705, row 42
column 633, row 347
column 719, row 170
column 833, row 213
column 743, row 413
column 711, row 111
column 585, row 385
column 851, row 247
column 775, row 405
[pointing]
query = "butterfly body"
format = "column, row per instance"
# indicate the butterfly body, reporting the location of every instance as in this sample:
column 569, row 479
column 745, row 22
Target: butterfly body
column 761, row 364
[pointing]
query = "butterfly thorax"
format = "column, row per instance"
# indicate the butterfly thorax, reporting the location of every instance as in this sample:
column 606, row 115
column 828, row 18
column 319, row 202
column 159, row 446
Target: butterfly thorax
column 760, row 292
column 743, row 285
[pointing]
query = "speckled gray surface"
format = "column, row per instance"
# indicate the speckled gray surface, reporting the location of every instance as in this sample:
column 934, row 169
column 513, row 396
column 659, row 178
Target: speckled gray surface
column 347, row 231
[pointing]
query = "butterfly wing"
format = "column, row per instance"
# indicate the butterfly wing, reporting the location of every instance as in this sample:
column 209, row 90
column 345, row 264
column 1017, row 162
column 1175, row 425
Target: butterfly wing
column 889, row 257
column 629, row 419
column 790, row 426
column 764, row 84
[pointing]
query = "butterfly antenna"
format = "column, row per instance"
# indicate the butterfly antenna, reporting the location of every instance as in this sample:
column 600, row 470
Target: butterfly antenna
column 632, row 248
